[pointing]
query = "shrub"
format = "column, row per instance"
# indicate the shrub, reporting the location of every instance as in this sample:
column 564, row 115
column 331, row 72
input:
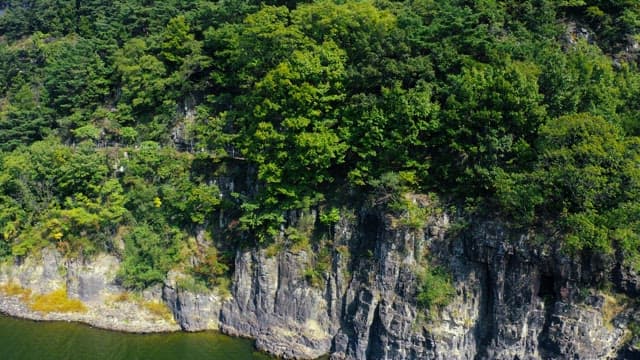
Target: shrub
column 121, row 297
column 188, row 283
column 436, row 289
column 158, row 309
column 412, row 214
column 330, row 217
column 148, row 256
column 313, row 276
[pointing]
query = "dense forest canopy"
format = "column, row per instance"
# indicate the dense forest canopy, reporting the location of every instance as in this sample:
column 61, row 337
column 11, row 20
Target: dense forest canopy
column 122, row 122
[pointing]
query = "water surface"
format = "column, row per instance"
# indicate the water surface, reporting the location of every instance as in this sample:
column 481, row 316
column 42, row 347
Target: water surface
column 28, row 340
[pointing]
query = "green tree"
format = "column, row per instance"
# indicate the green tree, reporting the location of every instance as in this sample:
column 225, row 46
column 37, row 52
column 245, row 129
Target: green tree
column 582, row 80
column 391, row 132
column 23, row 118
column 490, row 120
column 75, row 76
column 148, row 256
column 142, row 76
column 584, row 179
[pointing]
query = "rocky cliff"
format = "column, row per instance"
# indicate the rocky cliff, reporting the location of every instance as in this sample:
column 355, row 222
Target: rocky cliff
column 517, row 296
column 515, row 299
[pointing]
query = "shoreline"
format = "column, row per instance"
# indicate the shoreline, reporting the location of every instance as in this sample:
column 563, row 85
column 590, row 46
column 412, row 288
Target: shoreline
column 105, row 305
column 97, row 315
column 13, row 307
column 57, row 339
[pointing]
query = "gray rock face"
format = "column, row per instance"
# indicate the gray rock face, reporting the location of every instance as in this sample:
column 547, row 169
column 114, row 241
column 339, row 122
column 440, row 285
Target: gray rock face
column 192, row 311
column 89, row 281
column 514, row 300
column 273, row 303
column 93, row 281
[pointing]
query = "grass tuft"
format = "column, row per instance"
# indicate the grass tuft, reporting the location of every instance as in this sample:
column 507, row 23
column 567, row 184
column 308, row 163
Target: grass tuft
column 14, row 289
column 158, row 309
column 613, row 305
column 56, row 301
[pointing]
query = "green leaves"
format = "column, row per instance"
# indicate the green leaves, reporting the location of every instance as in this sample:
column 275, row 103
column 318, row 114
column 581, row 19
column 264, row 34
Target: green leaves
column 177, row 41
column 391, row 132
column 203, row 201
column 490, row 119
column 23, row 118
column 121, row 118
column 585, row 180
column 289, row 110
column 75, row 77
column 142, row 75
column 582, row 80
column 73, row 198
column 148, row 256
column 436, row 288
column 584, row 155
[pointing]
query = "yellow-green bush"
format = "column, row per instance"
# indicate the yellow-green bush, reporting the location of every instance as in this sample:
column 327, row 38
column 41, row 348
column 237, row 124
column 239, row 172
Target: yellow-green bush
column 56, row 301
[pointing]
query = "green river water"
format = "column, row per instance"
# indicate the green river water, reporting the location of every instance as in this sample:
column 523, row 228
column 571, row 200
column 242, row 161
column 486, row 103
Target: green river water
column 28, row 340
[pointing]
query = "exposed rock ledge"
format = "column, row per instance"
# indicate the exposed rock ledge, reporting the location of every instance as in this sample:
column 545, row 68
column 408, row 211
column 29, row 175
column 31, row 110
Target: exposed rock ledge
column 108, row 306
column 124, row 317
